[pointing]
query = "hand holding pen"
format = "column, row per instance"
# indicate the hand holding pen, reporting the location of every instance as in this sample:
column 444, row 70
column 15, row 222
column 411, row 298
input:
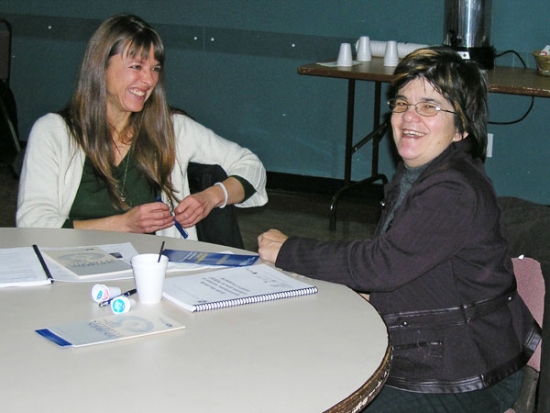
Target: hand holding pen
column 181, row 230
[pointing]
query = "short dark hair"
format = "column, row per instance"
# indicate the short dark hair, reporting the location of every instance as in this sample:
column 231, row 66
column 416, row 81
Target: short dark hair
column 459, row 81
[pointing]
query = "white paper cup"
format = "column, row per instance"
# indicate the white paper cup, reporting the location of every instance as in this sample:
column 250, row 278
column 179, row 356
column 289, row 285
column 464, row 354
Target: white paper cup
column 390, row 56
column 378, row 48
column 363, row 49
column 149, row 275
column 403, row 49
column 344, row 56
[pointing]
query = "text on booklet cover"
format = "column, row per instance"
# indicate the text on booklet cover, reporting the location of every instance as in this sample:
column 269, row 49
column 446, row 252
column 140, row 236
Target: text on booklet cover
column 111, row 328
column 85, row 261
column 210, row 258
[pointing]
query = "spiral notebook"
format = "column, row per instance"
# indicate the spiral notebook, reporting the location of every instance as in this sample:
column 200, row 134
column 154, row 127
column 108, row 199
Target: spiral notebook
column 232, row 287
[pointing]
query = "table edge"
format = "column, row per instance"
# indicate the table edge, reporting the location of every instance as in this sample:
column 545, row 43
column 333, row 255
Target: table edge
column 359, row 399
column 501, row 79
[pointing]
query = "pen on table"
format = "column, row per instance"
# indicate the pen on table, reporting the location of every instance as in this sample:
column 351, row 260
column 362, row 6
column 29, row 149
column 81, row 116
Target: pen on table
column 125, row 294
column 182, row 231
column 43, row 263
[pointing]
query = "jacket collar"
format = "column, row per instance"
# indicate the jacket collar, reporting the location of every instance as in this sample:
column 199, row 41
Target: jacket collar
column 455, row 150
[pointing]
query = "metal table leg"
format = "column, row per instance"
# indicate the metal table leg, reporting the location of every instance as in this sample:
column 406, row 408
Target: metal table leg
column 376, row 136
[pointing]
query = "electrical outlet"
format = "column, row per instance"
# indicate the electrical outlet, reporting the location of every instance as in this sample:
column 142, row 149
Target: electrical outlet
column 489, row 145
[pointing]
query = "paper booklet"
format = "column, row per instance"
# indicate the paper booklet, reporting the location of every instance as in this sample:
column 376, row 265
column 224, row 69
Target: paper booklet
column 21, row 267
column 86, row 261
column 137, row 323
column 210, row 258
column 29, row 266
column 232, row 287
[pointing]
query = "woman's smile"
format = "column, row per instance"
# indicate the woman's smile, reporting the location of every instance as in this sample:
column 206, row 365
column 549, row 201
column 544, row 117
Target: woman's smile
column 420, row 139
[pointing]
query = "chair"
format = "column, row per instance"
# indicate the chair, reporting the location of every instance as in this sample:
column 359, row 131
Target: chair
column 531, row 288
column 526, row 224
column 10, row 147
column 220, row 226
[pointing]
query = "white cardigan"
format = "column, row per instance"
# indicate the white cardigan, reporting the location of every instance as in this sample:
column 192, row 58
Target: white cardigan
column 53, row 165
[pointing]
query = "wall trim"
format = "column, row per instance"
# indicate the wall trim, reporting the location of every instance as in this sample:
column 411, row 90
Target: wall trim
column 319, row 185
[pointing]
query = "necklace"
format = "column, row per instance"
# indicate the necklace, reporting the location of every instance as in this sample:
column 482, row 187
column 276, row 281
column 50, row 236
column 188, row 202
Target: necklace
column 125, row 159
column 121, row 192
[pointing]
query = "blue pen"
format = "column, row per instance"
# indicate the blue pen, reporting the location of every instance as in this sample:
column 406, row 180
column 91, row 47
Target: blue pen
column 182, row 231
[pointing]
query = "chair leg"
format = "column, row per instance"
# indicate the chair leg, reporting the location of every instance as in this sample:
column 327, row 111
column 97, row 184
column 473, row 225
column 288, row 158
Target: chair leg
column 528, row 394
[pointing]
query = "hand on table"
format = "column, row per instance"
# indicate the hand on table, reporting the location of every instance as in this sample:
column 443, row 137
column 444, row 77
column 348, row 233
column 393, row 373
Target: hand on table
column 269, row 245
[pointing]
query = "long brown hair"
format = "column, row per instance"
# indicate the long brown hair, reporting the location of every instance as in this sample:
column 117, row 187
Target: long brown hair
column 153, row 142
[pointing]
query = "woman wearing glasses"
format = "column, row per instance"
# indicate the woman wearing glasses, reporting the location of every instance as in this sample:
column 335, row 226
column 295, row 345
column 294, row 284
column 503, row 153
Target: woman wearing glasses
column 437, row 268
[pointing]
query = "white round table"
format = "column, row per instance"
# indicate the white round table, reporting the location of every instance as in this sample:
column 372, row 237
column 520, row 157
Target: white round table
column 325, row 352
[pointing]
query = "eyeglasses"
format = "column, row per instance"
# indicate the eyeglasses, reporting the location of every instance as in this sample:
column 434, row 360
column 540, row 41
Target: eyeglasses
column 422, row 108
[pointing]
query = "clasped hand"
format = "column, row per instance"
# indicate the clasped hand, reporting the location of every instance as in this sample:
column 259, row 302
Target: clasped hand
column 269, row 245
column 156, row 216
column 195, row 208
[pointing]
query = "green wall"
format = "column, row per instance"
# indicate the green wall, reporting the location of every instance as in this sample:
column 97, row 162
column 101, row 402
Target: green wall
column 232, row 65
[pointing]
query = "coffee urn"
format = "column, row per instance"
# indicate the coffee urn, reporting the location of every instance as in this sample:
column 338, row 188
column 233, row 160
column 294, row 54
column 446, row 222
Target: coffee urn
column 468, row 25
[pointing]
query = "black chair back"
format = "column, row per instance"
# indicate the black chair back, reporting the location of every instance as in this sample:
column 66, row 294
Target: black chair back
column 221, row 225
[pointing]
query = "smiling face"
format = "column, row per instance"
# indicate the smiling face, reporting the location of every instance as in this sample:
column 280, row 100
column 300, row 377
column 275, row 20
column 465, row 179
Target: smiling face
column 130, row 81
column 420, row 139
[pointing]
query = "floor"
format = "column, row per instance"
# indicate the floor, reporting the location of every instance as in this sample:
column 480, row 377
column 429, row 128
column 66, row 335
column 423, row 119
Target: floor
column 307, row 215
column 302, row 214
column 8, row 197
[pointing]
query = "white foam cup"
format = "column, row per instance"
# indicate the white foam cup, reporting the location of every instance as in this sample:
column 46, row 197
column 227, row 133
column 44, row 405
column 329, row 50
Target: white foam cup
column 377, row 48
column 390, row 56
column 344, row 56
column 403, row 49
column 149, row 275
column 363, row 49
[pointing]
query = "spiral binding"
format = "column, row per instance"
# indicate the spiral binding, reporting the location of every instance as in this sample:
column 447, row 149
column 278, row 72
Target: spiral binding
column 255, row 299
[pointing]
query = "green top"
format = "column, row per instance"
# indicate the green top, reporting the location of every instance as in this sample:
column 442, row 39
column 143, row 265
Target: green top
column 247, row 186
column 92, row 199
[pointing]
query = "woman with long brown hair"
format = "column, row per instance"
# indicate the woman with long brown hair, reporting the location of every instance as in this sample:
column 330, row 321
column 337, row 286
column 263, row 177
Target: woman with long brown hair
column 105, row 160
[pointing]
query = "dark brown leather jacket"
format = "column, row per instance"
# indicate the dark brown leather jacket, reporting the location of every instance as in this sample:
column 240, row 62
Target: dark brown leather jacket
column 439, row 277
